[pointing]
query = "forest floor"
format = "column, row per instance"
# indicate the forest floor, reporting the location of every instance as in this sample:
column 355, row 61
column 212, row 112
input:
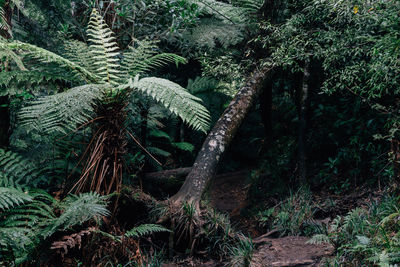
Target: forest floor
column 228, row 194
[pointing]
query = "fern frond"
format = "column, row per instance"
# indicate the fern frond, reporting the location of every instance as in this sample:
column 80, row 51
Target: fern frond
column 13, row 82
column 61, row 112
column 17, row 170
column 202, row 85
column 210, row 31
column 184, row 146
column 77, row 210
column 46, row 57
column 176, row 99
column 319, row 239
column 104, row 49
column 11, row 197
column 7, row 54
column 79, row 53
column 145, row 229
column 144, row 58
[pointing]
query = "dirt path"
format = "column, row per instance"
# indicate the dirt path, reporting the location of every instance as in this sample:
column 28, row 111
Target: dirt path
column 228, row 194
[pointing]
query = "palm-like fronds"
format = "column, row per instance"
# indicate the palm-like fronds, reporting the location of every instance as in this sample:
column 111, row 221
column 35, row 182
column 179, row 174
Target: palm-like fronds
column 11, row 197
column 46, row 56
column 61, row 112
column 104, row 49
column 30, row 219
column 145, row 229
column 16, row 170
column 144, row 58
column 77, row 210
column 176, row 99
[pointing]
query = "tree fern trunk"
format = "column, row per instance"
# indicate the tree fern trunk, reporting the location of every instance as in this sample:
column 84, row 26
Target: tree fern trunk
column 219, row 139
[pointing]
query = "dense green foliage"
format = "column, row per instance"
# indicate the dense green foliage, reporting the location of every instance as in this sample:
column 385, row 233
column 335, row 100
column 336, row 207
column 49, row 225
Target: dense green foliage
column 95, row 94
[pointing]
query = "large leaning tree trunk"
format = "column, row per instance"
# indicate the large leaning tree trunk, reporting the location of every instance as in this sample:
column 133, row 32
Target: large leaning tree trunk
column 219, row 138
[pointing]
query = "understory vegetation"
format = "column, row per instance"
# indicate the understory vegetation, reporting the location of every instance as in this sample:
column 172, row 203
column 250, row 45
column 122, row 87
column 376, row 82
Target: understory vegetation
column 183, row 132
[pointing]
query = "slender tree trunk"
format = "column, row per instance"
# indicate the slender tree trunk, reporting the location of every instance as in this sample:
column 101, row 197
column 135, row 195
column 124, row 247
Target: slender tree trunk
column 219, row 139
column 4, row 101
column 304, row 99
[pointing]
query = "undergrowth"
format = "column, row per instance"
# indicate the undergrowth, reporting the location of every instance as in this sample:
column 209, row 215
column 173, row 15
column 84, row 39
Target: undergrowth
column 366, row 236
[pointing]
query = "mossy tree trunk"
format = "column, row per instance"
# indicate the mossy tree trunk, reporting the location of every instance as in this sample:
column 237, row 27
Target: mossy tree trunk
column 219, row 139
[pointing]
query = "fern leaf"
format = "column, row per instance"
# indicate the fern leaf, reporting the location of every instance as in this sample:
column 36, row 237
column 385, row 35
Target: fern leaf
column 104, row 49
column 17, row 170
column 176, row 99
column 46, row 56
column 77, row 210
column 61, row 112
column 145, row 229
column 11, row 197
column 144, row 58
column 184, row 146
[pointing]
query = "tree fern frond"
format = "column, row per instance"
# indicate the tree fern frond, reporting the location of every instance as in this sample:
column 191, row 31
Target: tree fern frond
column 144, row 58
column 202, row 85
column 11, row 197
column 77, row 210
column 104, row 49
column 13, row 82
column 7, row 54
column 16, row 169
column 61, row 112
column 46, row 56
column 176, row 99
column 145, row 229
column 79, row 53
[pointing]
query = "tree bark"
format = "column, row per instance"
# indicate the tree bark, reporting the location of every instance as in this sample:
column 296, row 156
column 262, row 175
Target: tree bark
column 304, row 99
column 219, row 139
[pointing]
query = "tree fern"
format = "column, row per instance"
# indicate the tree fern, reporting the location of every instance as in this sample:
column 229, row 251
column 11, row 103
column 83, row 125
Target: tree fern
column 79, row 53
column 144, row 58
column 18, row 170
column 11, row 197
column 61, row 112
column 77, row 210
column 46, row 57
column 176, row 99
column 145, row 229
column 30, row 219
column 104, row 49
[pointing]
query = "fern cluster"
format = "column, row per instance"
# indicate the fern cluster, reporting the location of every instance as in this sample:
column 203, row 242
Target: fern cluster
column 366, row 236
column 29, row 219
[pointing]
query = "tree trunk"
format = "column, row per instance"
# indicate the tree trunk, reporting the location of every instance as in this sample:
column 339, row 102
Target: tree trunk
column 303, row 124
column 219, row 138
